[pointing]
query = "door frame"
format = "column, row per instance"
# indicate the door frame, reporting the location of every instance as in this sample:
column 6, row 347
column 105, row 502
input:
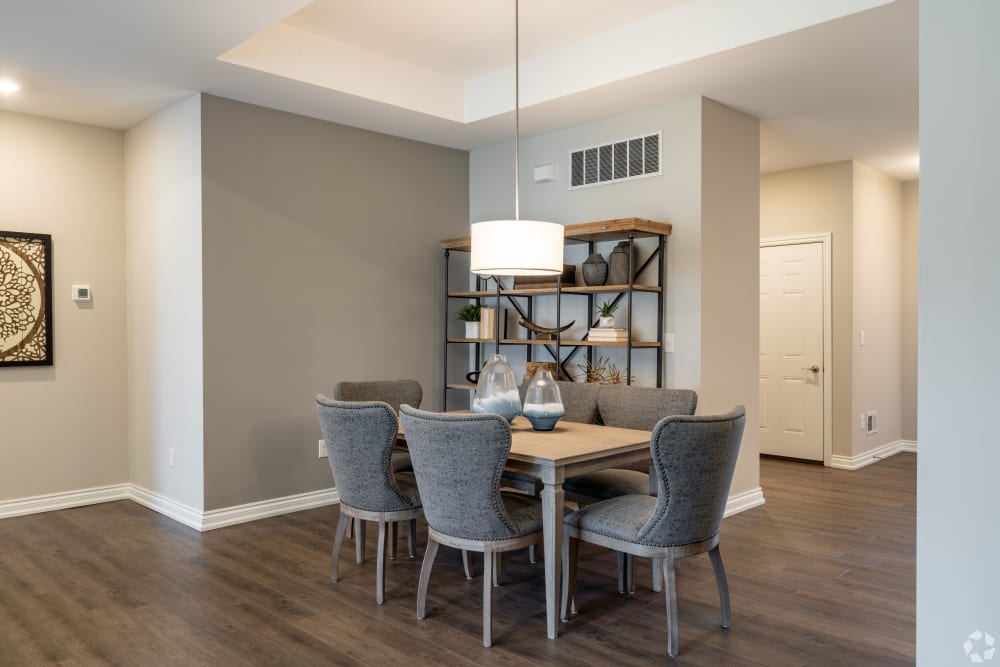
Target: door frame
column 827, row 240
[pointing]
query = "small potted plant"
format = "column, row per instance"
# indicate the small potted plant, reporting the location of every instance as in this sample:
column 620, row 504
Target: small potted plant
column 606, row 313
column 469, row 313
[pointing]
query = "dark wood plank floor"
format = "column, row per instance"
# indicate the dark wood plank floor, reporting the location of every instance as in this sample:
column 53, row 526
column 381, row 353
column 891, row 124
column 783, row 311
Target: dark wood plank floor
column 821, row 575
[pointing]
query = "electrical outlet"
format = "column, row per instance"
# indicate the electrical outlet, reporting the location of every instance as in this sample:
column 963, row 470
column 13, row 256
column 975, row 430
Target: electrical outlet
column 861, row 338
column 170, row 456
column 322, row 449
column 871, row 423
column 668, row 343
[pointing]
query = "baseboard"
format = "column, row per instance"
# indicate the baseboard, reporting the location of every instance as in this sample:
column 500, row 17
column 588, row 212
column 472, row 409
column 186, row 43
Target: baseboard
column 228, row 516
column 169, row 507
column 872, row 455
column 185, row 514
column 63, row 500
column 741, row 502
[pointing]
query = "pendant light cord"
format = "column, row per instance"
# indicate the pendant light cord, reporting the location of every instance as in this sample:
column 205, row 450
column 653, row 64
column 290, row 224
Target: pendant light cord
column 517, row 116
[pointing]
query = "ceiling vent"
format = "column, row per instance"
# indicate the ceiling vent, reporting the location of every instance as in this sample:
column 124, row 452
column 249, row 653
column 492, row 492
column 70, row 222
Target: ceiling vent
column 623, row 160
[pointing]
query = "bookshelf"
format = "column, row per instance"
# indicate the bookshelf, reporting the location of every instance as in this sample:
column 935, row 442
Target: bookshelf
column 565, row 349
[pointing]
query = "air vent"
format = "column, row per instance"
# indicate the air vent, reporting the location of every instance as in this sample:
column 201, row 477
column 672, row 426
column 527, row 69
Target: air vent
column 623, row 160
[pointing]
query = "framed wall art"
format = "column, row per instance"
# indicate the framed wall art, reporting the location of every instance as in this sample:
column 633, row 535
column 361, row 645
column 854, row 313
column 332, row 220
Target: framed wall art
column 25, row 299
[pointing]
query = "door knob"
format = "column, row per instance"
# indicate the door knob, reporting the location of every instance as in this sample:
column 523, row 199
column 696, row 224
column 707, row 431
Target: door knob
column 814, row 368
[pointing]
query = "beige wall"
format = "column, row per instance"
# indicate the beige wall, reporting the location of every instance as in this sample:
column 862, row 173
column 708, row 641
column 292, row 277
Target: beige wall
column 730, row 271
column 699, row 137
column 817, row 200
column 910, row 260
column 164, row 271
column 62, row 427
column 321, row 263
column 878, row 242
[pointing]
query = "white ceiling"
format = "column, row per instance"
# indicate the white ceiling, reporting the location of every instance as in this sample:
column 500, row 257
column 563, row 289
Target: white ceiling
column 829, row 79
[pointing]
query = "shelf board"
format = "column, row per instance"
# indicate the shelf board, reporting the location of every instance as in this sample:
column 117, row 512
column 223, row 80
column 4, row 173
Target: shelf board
column 604, row 230
column 565, row 343
column 541, row 291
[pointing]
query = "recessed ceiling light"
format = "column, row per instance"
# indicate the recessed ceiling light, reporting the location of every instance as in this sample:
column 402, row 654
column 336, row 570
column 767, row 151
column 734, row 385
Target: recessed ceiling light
column 9, row 86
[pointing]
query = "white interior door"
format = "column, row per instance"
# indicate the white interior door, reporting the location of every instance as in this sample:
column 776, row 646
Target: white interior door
column 791, row 350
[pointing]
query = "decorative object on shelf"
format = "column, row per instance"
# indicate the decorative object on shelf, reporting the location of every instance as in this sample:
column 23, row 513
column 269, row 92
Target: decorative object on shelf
column 595, row 270
column 532, row 367
column 608, row 335
column 487, row 322
column 470, row 313
column 602, row 371
column 568, row 278
column 606, row 314
column 25, row 299
column 618, row 264
column 543, row 333
column 496, row 390
column 516, row 247
column 543, row 405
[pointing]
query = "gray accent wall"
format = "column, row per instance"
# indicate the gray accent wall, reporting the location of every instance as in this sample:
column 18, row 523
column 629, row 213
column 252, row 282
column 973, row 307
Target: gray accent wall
column 62, row 427
column 958, row 544
column 709, row 193
column 321, row 263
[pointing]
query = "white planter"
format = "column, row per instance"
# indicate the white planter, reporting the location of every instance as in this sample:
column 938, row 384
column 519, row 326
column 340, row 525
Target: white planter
column 472, row 329
column 606, row 322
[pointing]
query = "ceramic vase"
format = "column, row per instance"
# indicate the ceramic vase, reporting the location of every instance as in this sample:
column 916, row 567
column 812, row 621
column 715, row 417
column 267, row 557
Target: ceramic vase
column 472, row 329
column 595, row 270
column 606, row 322
column 496, row 390
column 618, row 264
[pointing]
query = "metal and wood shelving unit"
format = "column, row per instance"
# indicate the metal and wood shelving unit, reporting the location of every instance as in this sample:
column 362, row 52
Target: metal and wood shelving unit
column 590, row 233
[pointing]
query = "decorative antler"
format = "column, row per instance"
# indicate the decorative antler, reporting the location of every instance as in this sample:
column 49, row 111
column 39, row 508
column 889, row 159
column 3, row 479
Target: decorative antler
column 540, row 331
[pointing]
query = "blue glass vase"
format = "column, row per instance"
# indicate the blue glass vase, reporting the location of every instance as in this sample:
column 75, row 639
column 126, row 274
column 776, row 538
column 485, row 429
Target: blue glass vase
column 543, row 405
column 496, row 390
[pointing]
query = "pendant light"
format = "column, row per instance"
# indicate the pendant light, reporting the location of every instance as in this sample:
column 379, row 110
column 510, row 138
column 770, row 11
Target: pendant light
column 517, row 247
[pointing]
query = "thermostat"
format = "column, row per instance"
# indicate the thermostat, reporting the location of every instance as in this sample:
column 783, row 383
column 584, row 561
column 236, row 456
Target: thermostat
column 81, row 292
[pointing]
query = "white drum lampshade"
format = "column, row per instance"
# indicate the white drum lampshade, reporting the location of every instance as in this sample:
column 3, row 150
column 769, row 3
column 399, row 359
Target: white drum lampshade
column 517, row 248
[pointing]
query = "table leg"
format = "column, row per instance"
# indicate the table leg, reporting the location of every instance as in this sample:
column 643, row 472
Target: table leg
column 552, row 527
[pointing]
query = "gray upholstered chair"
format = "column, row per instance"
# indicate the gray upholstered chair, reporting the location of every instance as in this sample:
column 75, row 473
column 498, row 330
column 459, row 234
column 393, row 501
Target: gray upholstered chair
column 694, row 459
column 458, row 461
column 395, row 393
column 625, row 406
column 359, row 440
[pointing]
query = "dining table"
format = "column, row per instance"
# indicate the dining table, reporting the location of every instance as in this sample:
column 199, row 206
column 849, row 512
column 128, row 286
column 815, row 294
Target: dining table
column 569, row 449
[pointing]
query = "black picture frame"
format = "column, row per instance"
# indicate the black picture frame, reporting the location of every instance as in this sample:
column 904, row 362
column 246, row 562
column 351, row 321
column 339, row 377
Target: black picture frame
column 36, row 348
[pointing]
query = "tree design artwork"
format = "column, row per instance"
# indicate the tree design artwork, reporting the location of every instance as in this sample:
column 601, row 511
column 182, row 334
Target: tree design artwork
column 25, row 299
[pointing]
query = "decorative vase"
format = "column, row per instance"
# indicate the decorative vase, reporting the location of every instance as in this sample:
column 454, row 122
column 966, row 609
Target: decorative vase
column 606, row 322
column 496, row 390
column 595, row 270
column 472, row 329
column 618, row 264
column 543, row 404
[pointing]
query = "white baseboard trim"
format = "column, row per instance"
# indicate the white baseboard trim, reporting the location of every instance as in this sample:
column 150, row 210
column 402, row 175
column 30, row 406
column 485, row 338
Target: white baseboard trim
column 168, row 507
column 872, row 455
column 228, row 516
column 63, row 500
column 185, row 514
column 741, row 502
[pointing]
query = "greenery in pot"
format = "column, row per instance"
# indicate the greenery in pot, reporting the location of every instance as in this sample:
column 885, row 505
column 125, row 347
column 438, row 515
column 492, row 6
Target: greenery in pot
column 607, row 309
column 469, row 312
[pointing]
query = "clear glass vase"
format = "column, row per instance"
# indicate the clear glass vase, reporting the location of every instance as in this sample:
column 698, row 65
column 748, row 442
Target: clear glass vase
column 543, row 405
column 496, row 390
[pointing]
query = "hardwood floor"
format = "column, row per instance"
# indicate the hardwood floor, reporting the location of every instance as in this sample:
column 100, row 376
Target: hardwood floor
column 823, row 574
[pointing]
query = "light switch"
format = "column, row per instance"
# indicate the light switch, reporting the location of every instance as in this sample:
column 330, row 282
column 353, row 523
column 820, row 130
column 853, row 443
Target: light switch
column 861, row 338
column 668, row 343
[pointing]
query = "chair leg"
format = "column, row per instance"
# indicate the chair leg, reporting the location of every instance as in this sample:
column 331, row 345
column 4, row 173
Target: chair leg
column 629, row 574
column 359, row 541
column 488, row 573
column 425, row 576
column 393, row 536
column 497, row 568
column 657, row 575
column 671, row 587
column 466, row 563
column 720, row 579
column 350, row 530
column 570, row 551
column 622, row 570
column 411, row 537
column 532, row 557
column 338, row 541
column 380, row 562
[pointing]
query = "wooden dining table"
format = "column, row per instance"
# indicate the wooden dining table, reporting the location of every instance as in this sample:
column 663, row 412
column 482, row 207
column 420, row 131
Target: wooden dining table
column 552, row 456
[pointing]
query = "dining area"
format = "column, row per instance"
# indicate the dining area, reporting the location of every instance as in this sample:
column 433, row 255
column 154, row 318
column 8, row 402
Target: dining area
column 628, row 469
